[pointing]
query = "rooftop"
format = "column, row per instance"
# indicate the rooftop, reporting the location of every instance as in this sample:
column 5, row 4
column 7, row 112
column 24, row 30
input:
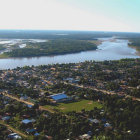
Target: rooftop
column 59, row 96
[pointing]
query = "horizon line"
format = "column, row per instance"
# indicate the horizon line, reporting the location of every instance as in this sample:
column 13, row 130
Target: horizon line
column 68, row 30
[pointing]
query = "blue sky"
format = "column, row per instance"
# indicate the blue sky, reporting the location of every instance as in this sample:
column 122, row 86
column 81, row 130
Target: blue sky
column 95, row 15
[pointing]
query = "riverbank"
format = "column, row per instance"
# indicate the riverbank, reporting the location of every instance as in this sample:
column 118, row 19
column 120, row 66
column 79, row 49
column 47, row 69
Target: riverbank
column 137, row 48
column 97, row 42
column 135, row 44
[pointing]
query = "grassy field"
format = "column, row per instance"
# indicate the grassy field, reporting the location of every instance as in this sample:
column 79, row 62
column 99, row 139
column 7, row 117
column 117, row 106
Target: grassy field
column 76, row 106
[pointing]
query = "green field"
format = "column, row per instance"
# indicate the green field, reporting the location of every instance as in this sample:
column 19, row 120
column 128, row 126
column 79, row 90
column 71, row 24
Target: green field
column 76, row 106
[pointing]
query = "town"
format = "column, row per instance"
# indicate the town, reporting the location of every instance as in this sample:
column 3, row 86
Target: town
column 87, row 100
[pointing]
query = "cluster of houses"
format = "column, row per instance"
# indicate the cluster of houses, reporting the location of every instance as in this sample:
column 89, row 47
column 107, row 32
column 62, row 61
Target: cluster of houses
column 27, row 120
column 44, row 78
column 51, row 75
column 5, row 117
column 21, row 78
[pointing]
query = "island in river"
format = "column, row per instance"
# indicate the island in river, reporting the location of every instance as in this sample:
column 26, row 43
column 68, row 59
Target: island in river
column 48, row 47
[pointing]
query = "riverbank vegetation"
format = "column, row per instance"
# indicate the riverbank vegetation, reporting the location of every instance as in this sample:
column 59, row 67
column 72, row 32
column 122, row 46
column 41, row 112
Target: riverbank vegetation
column 135, row 43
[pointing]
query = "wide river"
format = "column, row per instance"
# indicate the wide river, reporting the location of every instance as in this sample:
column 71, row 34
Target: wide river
column 110, row 49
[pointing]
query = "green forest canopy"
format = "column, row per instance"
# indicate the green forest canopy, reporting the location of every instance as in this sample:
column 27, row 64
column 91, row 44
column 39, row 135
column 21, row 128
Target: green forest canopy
column 52, row 47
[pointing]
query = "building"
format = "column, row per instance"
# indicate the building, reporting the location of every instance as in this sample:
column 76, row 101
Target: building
column 85, row 137
column 27, row 121
column 14, row 136
column 60, row 97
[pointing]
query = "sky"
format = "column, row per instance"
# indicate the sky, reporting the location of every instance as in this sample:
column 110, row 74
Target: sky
column 90, row 15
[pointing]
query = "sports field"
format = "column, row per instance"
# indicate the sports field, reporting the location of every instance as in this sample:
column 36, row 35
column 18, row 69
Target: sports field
column 76, row 106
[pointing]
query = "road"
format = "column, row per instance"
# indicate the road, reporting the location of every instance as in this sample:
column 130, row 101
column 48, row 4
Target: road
column 27, row 102
column 103, row 91
column 76, row 85
column 14, row 130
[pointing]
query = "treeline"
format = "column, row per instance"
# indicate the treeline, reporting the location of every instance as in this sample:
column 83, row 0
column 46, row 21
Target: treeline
column 48, row 34
column 53, row 47
column 135, row 42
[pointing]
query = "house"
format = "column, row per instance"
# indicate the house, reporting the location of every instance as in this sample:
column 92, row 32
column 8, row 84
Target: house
column 36, row 134
column 23, row 98
column 138, row 87
column 6, row 118
column 14, row 136
column 27, row 121
column 49, row 137
column 26, row 116
column 85, row 137
column 90, row 133
column 107, row 126
column 103, row 120
column 94, row 121
column 129, row 132
column 30, row 131
column 29, row 106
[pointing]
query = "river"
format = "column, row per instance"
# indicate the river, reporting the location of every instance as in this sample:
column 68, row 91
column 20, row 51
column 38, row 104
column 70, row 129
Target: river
column 110, row 49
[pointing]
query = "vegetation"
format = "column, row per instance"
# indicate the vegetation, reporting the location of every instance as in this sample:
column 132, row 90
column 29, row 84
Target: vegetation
column 60, row 42
column 104, row 95
column 104, row 100
column 3, row 132
column 53, row 47
column 135, row 42
column 76, row 106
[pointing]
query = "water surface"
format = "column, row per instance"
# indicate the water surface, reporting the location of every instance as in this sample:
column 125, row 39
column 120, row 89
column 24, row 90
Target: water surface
column 110, row 49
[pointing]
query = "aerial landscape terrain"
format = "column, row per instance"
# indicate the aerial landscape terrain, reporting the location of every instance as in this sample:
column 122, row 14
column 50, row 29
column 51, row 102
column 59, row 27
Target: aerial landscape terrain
column 82, row 100
column 69, row 70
